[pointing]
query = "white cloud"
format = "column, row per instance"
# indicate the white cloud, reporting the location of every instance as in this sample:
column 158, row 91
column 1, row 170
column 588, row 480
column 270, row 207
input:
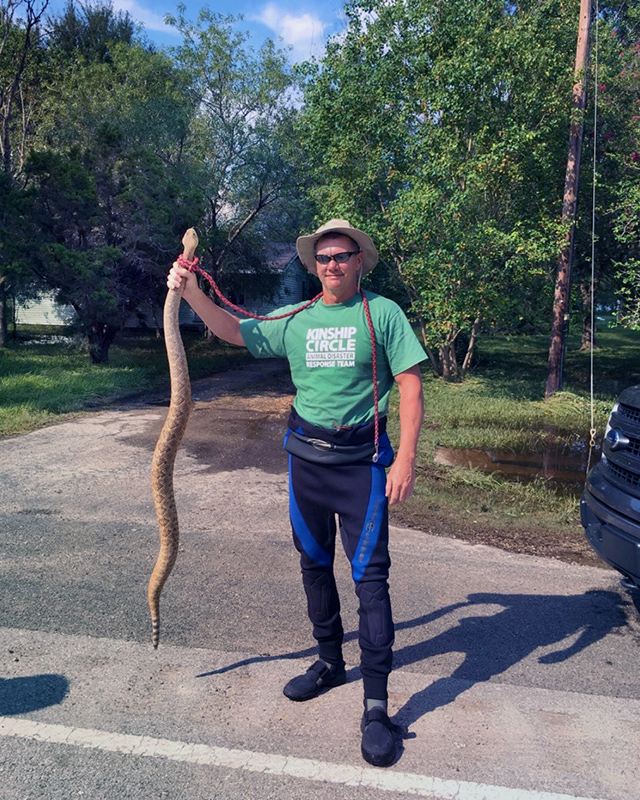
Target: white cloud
column 150, row 20
column 304, row 33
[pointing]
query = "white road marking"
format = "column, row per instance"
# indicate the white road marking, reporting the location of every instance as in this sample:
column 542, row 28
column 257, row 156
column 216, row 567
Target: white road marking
column 307, row 768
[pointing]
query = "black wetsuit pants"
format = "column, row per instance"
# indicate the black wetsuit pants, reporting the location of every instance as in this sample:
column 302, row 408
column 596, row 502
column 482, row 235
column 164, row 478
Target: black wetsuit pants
column 355, row 493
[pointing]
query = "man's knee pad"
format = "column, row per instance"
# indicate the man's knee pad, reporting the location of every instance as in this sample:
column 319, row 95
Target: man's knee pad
column 322, row 595
column 376, row 621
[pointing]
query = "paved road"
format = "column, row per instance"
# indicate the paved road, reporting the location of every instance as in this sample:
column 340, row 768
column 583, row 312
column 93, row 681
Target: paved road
column 516, row 677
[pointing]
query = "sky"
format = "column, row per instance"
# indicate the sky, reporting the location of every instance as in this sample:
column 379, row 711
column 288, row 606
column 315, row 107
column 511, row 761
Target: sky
column 303, row 26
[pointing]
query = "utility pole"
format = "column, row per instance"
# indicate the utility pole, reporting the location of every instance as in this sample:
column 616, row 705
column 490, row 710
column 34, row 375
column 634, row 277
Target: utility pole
column 563, row 274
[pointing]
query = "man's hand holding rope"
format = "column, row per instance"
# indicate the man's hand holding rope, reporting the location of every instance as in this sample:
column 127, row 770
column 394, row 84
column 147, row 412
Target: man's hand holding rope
column 219, row 321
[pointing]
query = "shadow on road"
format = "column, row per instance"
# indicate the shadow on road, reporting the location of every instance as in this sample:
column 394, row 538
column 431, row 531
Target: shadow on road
column 21, row 695
column 492, row 643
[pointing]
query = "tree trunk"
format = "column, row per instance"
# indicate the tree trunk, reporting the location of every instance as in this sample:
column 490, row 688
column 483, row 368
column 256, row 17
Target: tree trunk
column 588, row 333
column 445, row 364
column 563, row 275
column 475, row 330
column 100, row 338
column 448, row 359
column 453, row 359
column 3, row 311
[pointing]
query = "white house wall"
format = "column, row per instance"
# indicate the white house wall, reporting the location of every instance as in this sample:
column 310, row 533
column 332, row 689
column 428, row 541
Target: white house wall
column 44, row 311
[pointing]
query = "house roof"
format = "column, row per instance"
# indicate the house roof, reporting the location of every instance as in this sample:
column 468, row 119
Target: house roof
column 278, row 255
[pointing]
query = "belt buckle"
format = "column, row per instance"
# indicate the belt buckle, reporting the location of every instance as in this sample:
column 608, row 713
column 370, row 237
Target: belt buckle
column 320, row 444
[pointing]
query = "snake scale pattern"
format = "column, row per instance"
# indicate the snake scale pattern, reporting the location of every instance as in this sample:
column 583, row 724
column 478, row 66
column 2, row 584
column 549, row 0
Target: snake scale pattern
column 164, row 455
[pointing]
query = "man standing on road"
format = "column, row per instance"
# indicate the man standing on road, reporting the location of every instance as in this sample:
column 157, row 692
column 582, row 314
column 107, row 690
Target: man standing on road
column 338, row 450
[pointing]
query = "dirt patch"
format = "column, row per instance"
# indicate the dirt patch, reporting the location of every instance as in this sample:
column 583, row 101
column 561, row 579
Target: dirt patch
column 239, row 418
column 565, row 543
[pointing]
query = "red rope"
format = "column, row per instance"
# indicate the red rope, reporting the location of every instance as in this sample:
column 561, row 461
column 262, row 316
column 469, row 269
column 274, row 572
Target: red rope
column 374, row 367
column 192, row 266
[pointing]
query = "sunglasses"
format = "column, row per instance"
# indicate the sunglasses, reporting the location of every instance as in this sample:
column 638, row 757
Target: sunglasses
column 339, row 258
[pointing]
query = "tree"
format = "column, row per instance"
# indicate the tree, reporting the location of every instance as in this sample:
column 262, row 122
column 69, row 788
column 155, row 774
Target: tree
column 88, row 31
column 111, row 190
column 19, row 53
column 446, row 144
column 569, row 205
column 603, row 264
column 132, row 146
column 240, row 138
column 19, row 39
column 619, row 152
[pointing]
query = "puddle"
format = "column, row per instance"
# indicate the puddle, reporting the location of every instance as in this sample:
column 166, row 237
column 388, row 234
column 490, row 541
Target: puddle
column 564, row 469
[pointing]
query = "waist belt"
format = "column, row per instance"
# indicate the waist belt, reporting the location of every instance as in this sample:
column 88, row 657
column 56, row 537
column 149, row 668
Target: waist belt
column 318, row 451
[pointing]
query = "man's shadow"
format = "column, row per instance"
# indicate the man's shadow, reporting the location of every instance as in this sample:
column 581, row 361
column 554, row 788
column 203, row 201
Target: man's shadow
column 21, row 695
column 491, row 642
column 494, row 642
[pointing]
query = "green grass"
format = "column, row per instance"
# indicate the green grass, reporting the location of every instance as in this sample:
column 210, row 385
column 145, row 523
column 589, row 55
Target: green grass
column 480, row 413
column 518, row 365
column 41, row 380
column 500, row 406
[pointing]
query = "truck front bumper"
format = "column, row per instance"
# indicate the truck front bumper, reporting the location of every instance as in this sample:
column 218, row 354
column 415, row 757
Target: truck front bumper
column 613, row 535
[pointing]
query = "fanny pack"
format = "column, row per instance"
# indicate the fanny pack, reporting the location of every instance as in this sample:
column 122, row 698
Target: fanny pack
column 334, row 447
column 319, row 451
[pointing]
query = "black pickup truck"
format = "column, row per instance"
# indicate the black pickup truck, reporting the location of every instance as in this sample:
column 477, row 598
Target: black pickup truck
column 610, row 504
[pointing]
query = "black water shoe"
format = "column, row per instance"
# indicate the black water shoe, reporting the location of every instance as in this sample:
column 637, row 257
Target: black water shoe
column 318, row 677
column 378, row 738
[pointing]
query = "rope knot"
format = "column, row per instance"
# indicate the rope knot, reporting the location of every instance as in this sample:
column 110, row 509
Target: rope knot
column 188, row 264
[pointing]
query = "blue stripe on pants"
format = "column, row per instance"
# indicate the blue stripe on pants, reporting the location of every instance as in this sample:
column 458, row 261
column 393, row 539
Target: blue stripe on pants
column 371, row 528
column 307, row 540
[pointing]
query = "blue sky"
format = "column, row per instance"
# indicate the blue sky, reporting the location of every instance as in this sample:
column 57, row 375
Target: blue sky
column 304, row 25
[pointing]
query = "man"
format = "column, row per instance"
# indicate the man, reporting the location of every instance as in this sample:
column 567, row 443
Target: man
column 339, row 450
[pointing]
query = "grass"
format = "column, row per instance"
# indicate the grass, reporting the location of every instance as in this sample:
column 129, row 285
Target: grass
column 43, row 378
column 500, row 406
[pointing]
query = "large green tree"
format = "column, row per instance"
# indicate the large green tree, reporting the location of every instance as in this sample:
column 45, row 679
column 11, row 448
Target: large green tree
column 110, row 187
column 133, row 145
column 440, row 128
column 240, row 141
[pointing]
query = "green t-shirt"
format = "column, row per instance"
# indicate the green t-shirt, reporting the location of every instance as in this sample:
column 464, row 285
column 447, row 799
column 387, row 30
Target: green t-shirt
column 329, row 352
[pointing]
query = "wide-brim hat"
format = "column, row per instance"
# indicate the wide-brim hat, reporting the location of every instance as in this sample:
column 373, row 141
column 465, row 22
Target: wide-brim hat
column 306, row 245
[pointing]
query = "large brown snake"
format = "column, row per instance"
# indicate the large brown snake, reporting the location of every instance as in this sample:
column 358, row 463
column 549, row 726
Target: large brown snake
column 164, row 455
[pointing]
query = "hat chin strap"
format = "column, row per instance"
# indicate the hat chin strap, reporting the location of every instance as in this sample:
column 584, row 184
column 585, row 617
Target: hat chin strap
column 359, row 277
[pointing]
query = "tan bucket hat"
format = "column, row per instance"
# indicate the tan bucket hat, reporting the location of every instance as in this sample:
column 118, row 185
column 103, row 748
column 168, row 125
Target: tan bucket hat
column 306, row 245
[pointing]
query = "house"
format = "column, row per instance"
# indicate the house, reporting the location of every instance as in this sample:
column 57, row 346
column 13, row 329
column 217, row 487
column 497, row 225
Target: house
column 296, row 285
column 43, row 311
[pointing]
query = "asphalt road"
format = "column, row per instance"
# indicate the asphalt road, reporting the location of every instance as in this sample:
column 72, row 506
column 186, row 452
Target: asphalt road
column 515, row 677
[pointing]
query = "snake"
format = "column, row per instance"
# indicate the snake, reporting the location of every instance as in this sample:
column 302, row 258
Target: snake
column 164, row 455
